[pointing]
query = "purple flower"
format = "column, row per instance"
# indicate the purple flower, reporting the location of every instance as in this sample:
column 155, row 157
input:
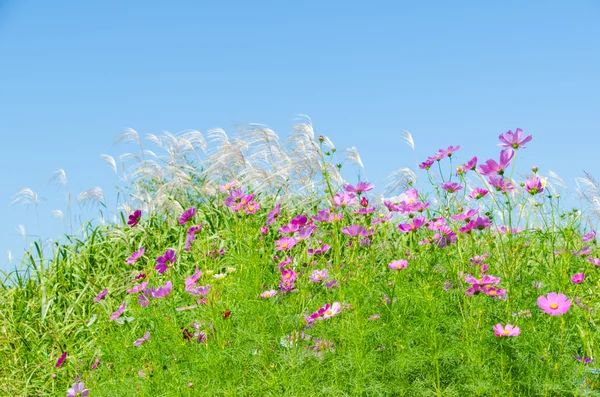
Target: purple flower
column 135, row 256
column 491, row 167
column 78, row 390
column 331, row 284
column 163, row 262
column 96, row 362
column 319, row 250
column 61, row 360
column 514, row 140
column 143, row 339
column 143, row 298
column 187, row 215
column 305, row 232
column 228, row 186
column 274, row 214
column 162, row 291
column 134, row 218
column 193, row 279
column 585, row 360
column 501, row 184
column 119, row 312
column 101, row 296
column 594, row 261
column 360, row 188
column 425, row 165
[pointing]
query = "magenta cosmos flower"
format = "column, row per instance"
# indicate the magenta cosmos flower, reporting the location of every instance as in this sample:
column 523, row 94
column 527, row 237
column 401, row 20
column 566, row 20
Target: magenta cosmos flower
column 451, row 187
column 162, row 291
column 135, row 256
column 398, row 264
column 187, row 215
column 509, row 330
column 138, row 288
column 554, row 304
column 344, row 199
column 514, row 140
column 355, row 231
column 416, row 224
column 578, row 278
column 61, row 360
column 101, row 295
column 478, row 193
column 134, row 218
column 163, row 262
column 319, row 275
column 78, row 390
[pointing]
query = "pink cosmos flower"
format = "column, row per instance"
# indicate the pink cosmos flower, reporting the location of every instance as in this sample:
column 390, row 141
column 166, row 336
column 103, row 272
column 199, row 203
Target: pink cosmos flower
column 191, row 281
column 478, row 193
column 201, row 290
column 444, row 237
column 425, row 165
column 135, row 256
column 365, row 211
column 491, row 167
column 235, row 198
column 252, row 207
column 134, row 218
column 494, row 292
column 138, row 288
column 554, row 304
column 331, row 284
column 591, row 236
column 285, row 243
column 143, row 339
column 329, row 311
column 594, row 261
column 578, row 278
column 381, row 219
column 501, row 184
column 398, row 264
column 187, row 215
column 101, row 295
column 505, row 230
column 119, row 312
column 465, row 216
column 534, row 186
column 478, row 284
column 585, row 250
column 416, row 224
column 451, row 187
column 228, row 186
column 96, row 362
column 470, row 166
column 290, row 228
column 61, row 360
column 344, row 199
column 514, row 140
column 355, row 231
column 481, row 223
column 510, row 330
column 78, row 390
column 268, row 294
column 360, row 188
column 163, row 262
column 162, row 291
column 318, row 276
column 319, row 250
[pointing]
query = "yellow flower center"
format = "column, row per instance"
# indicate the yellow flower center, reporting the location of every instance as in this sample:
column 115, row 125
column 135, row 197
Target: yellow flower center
column 492, row 292
column 250, row 208
column 227, row 186
column 554, row 306
column 284, row 245
column 328, row 312
column 505, row 332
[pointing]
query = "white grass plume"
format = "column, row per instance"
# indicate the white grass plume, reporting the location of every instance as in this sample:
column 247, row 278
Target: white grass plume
column 408, row 139
column 26, row 197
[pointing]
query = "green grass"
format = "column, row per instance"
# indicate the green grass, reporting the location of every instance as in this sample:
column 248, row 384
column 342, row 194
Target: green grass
column 430, row 337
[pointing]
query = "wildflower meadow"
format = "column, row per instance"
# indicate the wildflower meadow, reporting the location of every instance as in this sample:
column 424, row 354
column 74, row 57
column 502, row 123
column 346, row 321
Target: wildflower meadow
column 246, row 265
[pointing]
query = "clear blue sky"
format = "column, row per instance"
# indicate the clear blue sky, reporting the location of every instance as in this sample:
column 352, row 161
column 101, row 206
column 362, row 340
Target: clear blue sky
column 75, row 74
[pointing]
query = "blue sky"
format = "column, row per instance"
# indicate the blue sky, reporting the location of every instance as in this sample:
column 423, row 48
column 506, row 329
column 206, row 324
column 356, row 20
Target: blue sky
column 75, row 74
